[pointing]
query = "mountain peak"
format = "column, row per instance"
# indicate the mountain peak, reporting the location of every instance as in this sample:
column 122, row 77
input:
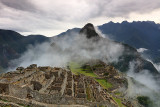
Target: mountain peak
column 90, row 25
column 89, row 31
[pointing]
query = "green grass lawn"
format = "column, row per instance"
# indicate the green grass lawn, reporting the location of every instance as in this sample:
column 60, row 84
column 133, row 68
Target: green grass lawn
column 119, row 102
column 77, row 68
column 104, row 83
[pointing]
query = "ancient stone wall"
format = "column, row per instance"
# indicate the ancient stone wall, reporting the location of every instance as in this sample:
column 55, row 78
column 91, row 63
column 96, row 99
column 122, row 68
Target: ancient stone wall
column 4, row 88
column 17, row 91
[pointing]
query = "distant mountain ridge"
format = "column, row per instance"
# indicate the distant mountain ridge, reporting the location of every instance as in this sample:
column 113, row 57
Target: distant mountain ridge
column 145, row 34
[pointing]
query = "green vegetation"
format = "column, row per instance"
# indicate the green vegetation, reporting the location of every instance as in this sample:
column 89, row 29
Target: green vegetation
column 88, row 93
column 76, row 68
column 123, row 65
column 10, row 105
column 101, row 106
column 24, row 105
column 104, row 83
column 106, row 74
column 4, row 100
column 118, row 101
column 145, row 101
column 27, row 106
column 118, row 93
column 7, row 106
column 98, row 66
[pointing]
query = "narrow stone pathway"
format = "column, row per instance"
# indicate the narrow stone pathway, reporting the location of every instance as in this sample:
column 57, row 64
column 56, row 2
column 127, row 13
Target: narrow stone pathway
column 47, row 85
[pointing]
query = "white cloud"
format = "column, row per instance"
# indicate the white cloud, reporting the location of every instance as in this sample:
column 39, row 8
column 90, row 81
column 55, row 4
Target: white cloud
column 37, row 16
column 66, row 50
column 141, row 50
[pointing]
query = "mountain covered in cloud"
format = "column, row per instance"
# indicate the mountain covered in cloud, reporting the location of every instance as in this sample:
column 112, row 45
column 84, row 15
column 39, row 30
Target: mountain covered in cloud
column 13, row 44
column 129, row 53
column 136, row 34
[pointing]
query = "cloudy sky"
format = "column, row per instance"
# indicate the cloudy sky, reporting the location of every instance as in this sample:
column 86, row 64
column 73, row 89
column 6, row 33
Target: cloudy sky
column 51, row 17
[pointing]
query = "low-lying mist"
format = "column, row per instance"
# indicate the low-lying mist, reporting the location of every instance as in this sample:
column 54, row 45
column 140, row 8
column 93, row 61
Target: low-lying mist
column 143, row 84
column 58, row 52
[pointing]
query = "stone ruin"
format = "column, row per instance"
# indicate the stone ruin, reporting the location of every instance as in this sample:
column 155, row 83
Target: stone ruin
column 46, row 85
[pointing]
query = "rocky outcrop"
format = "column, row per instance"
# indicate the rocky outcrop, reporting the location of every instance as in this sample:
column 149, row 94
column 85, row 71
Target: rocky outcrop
column 89, row 31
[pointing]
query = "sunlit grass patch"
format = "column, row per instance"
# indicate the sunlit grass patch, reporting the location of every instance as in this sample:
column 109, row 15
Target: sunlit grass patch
column 118, row 101
column 78, row 68
column 118, row 93
column 104, row 83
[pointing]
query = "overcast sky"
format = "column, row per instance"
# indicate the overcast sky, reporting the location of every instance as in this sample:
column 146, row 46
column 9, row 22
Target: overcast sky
column 51, row 17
